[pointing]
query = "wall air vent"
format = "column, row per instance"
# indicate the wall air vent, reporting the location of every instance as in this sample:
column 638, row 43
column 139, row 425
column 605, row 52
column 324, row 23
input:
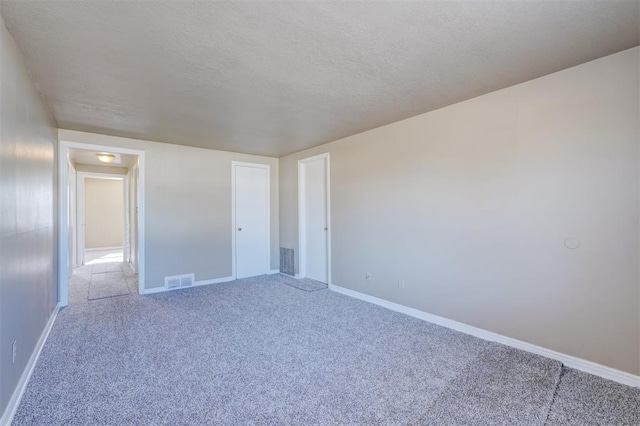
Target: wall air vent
column 186, row 280
column 179, row 281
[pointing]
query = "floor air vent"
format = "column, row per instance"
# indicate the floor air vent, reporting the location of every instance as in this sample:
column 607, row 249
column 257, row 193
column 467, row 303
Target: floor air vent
column 179, row 281
column 287, row 262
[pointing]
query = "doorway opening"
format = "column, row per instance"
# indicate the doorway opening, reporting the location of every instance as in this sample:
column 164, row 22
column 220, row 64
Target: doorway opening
column 101, row 222
column 314, row 219
column 102, row 266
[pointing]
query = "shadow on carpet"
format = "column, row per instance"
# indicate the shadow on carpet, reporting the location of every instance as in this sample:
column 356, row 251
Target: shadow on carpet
column 306, row 284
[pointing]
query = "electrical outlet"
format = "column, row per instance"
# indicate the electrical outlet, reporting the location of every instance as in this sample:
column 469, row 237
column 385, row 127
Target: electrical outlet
column 14, row 351
column 367, row 276
column 400, row 283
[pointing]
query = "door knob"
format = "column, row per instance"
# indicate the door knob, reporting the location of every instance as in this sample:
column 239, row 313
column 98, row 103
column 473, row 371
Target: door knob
column 326, row 229
column 239, row 229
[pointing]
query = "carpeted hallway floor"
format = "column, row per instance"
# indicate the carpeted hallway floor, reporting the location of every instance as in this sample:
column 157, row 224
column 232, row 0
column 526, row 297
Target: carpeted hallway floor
column 258, row 351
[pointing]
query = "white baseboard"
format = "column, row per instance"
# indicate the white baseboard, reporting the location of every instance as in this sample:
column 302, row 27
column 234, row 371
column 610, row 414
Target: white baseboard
column 195, row 284
column 12, row 406
column 103, row 248
column 274, row 271
column 213, row 281
column 568, row 360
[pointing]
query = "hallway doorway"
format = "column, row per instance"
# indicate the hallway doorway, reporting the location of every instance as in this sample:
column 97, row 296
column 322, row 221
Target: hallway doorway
column 101, row 222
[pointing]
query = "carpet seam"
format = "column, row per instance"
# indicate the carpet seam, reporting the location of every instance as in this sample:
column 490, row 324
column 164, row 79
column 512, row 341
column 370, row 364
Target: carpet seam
column 90, row 281
column 126, row 282
column 307, row 291
column 285, row 282
column 563, row 370
column 463, row 371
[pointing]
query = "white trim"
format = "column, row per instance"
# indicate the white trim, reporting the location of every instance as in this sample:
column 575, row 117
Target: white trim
column 126, row 225
column 302, row 249
column 329, row 230
column 104, row 248
column 73, row 220
column 195, row 284
column 79, row 216
column 63, row 209
column 12, row 406
column 234, row 164
column 233, row 219
column 273, row 271
column 213, row 281
column 568, row 360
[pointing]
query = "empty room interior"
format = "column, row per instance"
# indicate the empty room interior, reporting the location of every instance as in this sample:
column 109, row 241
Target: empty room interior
column 320, row 213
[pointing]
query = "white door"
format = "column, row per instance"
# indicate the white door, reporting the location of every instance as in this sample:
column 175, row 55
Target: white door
column 315, row 218
column 251, row 195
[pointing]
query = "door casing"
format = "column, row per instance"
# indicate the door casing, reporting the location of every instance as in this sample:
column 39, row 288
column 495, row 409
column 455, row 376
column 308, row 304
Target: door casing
column 63, row 210
column 302, row 237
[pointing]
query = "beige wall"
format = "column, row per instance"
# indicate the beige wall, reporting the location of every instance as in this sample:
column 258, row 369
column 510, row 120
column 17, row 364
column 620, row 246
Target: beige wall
column 28, row 285
column 103, row 213
column 188, row 206
column 471, row 205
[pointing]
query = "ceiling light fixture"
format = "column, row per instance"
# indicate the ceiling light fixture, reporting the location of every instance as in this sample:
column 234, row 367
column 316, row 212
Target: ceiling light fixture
column 105, row 157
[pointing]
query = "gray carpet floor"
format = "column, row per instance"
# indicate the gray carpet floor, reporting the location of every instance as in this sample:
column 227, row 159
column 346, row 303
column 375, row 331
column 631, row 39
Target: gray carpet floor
column 260, row 352
column 109, row 283
column 306, row 284
column 109, row 276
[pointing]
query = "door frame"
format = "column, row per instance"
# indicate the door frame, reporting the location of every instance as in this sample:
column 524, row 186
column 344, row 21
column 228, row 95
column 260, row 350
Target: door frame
column 63, row 209
column 302, row 234
column 73, row 213
column 267, row 167
column 80, row 213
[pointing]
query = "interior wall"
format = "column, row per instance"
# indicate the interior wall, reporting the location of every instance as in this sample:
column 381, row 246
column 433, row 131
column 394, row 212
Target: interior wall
column 28, row 285
column 188, row 206
column 471, row 205
column 103, row 213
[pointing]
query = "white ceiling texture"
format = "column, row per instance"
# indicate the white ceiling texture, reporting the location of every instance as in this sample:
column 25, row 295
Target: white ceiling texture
column 276, row 77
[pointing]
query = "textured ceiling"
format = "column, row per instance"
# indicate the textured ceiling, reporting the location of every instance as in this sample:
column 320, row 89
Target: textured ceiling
column 273, row 78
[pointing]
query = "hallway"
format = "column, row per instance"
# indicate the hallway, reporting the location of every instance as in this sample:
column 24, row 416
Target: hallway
column 103, row 275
